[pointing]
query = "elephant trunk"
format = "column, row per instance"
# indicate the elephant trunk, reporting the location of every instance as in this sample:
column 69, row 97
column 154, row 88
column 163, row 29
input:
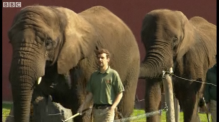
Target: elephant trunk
column 22, row 95
column 23, row 75
column 157, row 59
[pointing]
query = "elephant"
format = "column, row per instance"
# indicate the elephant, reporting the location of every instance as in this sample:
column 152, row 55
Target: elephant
column 52, row 42
column 188, row 46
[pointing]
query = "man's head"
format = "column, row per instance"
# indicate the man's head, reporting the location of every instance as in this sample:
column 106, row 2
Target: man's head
column 103, row 57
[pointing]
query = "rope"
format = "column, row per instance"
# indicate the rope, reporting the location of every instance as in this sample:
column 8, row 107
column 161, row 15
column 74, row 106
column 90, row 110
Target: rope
column 7, row 115
column 194, row 80
column 123, row 119
column 138, row 99
column 48, row 115
column 189, row 79
column 119, row 120
column 138, row 116
column 55, row 114
column 142, row 115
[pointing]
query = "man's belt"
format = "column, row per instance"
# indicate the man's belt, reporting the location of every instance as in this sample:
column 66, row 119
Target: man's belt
column 101, row 106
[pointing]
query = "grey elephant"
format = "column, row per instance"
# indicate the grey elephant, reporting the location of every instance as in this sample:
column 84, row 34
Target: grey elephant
column 54, row 42
column 189, row 46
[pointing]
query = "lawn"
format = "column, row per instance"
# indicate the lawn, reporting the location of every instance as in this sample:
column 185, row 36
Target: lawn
column 202, row 116
column 6, row 109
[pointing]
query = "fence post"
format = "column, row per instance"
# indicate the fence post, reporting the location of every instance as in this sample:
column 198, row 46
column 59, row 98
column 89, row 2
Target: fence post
column 168, row 88
column 177, row 109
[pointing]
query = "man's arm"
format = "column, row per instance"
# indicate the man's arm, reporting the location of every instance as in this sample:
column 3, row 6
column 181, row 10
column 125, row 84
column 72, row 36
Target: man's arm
column 117, row 100
column 119, row 88
column 88, row 99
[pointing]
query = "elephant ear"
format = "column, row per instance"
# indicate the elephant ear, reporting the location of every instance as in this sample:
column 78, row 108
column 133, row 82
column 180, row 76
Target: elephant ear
column 187, row 39
column 69, row 54
column 78, row 42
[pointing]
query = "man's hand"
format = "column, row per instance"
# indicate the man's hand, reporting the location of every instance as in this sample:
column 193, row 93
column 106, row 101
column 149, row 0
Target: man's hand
column 116, row 102
column 112, row 108
column 87, row 100
column 80, row 109
column 88, row 112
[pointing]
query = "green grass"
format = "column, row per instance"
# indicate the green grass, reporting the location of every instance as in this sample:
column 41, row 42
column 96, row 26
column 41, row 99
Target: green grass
column 136, row 112
column 6, row 109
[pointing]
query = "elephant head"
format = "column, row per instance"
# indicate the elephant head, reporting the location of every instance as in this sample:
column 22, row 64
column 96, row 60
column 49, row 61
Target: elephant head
column 40, row 37
column 168, row 36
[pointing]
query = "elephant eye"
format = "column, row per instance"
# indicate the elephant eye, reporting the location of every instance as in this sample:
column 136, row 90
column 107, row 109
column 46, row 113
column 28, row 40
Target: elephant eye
column 49, row 44
column 175, row 39
column 175, row 42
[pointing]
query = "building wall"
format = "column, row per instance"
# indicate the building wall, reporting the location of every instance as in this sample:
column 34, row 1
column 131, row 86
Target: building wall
column 130, row 11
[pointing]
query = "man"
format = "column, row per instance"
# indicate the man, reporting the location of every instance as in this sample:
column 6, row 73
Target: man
column 210, row 91
column 104, row 88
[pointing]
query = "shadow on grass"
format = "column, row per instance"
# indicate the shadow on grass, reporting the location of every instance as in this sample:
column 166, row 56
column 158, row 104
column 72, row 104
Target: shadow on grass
column 6, row 105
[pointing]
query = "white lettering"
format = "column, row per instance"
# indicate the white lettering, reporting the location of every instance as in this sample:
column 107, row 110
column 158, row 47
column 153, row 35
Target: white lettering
column 11, row 4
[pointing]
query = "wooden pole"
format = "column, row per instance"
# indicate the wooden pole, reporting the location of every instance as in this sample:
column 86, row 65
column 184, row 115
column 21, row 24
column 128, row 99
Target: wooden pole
column 177, row 109
column 168, row 88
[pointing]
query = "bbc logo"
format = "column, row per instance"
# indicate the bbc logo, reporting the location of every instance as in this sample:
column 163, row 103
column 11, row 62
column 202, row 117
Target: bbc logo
column 11, row 4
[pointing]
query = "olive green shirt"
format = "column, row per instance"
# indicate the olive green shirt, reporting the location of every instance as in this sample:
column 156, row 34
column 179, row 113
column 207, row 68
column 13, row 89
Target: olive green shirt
column 210, row 90
column 105, row 86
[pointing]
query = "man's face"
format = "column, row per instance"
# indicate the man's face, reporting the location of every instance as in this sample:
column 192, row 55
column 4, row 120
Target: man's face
column 103, row 60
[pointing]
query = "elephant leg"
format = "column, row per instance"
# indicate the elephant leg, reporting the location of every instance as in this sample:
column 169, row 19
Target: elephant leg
column 153, row 98
column 78, row 94
column 86, row 117
column 189, row 103
column 188, row 96
column 126, row 105
column 75, row 105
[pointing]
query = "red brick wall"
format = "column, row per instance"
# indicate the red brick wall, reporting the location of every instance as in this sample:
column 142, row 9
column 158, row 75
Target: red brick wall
column 130, row 11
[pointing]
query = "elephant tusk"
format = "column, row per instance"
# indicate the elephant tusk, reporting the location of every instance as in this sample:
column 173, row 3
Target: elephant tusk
column 171, row 70
column 39, row 80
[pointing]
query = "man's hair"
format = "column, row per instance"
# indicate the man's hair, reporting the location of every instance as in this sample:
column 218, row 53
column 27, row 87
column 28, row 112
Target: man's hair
column 101, row 51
